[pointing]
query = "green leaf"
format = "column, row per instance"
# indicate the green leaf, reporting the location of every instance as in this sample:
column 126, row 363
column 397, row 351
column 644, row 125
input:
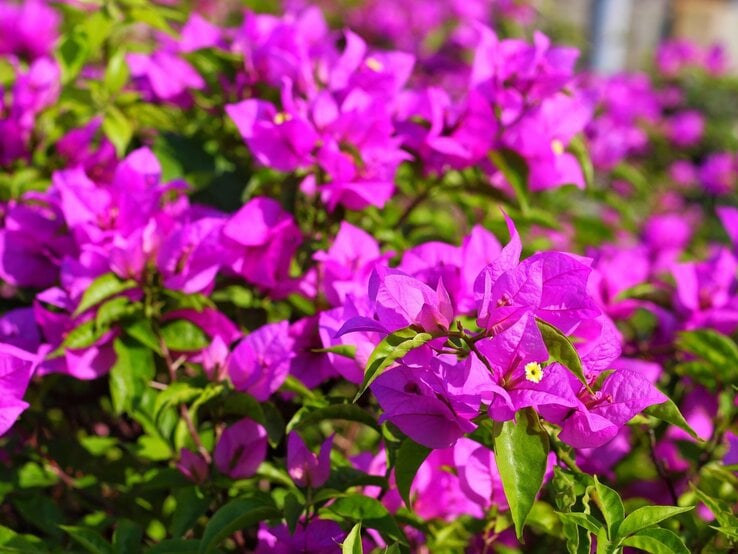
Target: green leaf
column 152, row 16
column 345, row 477
column 82, row 336
column 98, row 446
column 90, row 540
column 183, row 335
column 243, row 405
column 41, row 512
column 722, row 510
column 562, row 350
column 292, row 511
column 191, row 504
column 603, row 542
column 392, row 348
column 294, row 385
column 601, row 378
column 96, row 28
column 103, row 287
column 345, row 350
column 720, row 351
column 611, row 506
column 143, row 332
column 130, row 375
column 515, row 169
column 578, row 539
column 273, row 423
column 116, row 73
column 631, row 174
column 409, row 458
column 179, row 392
column 352, row 542
column 154, row 448
column 669, row 412
column 114, row 310
column 731, row 532
column 234, row 516
column 118, row 129
column 31, row 475
column 10, row 541
column 521, row 450
column 579, row 149
column 585, row 521
column 657, row 541
column 348, row 412
column 368, row 511
column 72, row 55
column 647, row 516
column 127, row 537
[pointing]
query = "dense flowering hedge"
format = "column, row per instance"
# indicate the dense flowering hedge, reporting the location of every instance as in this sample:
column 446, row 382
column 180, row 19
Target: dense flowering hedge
column 383, row 277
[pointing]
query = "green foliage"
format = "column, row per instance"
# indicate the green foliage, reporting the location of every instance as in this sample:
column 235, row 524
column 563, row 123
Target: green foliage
column 521, row 450
column 718, row 365
column 352, row 542
column 410, row 456
column 391, row 349
column 561, row 350
column 233, row 516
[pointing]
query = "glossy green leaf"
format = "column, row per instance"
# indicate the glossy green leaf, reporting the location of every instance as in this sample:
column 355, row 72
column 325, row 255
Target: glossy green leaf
column 345, row 350
column 714, row 347
column 562, row 350
column 179, row 392
column 82, row 336
column 102, row 288
column 345, row 477
column 722, row 510
column 611, row 506
column 143, row 332
column 113, row 310
column 352, row 542
column 130, row 375
column 656, row 541
column 521, row 450
column 90, row 540
column 235, row 515
column 368, row 511
column 392, row 348
column 647, row 516
column 586, row 521
column 348, row 412
column 603, row 542
column 669, row 412
column 183, row 335
column 410, row 457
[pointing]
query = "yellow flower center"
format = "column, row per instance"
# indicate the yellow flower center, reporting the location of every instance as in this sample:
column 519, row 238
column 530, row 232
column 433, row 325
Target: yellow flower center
column 374, row 64
column 281, row 117
column 557, row 147
column 533, row 372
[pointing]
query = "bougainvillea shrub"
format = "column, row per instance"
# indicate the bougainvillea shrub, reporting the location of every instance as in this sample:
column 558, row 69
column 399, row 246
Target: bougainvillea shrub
column 361, row 277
